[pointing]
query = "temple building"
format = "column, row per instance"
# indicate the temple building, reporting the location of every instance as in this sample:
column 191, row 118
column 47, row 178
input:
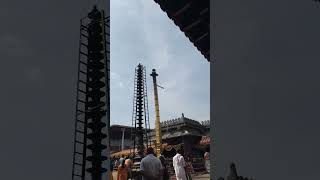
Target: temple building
column 120, row 138
column 205, row 140
column 190, row 135
column 183, row 133
column 180, row 132
column 117, row 132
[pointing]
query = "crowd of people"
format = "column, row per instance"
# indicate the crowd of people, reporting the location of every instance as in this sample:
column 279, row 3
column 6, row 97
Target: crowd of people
column 155, row 168
column 123, row 166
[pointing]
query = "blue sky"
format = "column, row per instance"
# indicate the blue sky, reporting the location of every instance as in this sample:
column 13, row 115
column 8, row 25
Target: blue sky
column 142, row 33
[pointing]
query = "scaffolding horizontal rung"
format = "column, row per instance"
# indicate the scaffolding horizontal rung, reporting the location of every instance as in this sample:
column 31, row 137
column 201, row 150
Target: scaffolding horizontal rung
column 78, row 164
column 83, row 62
column 77, row 175
column 83, row 53
column 80, row 111
column 83, row 44
column 79, row 100
column 80, row 121
column 82, row 82
column 82, row 91
column 79, row 131
column 84, row 35
column 78, row 153
column 84, row 27
column 83, row 72
column 79, row 142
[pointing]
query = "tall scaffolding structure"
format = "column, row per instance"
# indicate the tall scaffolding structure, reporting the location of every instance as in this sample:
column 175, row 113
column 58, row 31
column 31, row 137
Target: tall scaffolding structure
column 92, row 121
column 140, row 115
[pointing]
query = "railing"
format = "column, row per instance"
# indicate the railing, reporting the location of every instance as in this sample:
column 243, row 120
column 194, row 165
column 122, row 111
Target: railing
column 185, row 120
column 205, row 123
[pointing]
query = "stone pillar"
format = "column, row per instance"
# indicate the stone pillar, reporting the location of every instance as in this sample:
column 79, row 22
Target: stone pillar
column 122, row 142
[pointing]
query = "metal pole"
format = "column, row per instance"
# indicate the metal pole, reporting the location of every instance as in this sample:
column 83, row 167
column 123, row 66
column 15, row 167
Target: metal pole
column 157, row 122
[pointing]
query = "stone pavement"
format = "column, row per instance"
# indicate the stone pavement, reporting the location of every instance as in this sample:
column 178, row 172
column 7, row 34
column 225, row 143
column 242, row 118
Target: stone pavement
column 201, row 177
column 114, row 175
column 204, row 176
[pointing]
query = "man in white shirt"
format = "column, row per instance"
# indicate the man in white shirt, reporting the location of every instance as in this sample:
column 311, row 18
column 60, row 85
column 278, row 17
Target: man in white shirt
column 150, row 166
column 179, row 166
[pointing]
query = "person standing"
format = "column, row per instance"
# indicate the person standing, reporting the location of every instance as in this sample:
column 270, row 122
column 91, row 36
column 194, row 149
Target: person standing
column 179, row 165
column 165, row 173
column 110, row 175
column 116, row 163
column 122, row 170
column 207, row 159
column 128, row 164
column 150, row 166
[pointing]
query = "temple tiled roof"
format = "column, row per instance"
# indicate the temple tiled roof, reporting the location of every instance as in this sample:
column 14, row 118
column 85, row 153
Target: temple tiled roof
column 185, row 121
column 205, row 123
column 180, row 133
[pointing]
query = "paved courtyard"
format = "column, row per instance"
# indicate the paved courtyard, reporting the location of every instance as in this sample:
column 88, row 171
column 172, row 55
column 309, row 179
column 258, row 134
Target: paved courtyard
column 197, row 177
column 194, row 177
column 201, row 177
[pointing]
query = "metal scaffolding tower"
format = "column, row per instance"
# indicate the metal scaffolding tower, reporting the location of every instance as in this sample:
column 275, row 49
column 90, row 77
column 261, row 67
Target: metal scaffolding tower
column 140, row 116
column 140, row 111
column 91, row 139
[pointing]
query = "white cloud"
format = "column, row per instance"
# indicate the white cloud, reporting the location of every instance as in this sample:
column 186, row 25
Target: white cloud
column 121, row 84
column 116, row 80
column 114, row 76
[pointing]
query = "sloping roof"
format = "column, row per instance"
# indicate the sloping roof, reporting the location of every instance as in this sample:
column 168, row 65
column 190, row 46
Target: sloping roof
column 179, row 134
column 206, row 123
column 120, row 126
column 193, row 18
column 124, row 152
column 181, row 121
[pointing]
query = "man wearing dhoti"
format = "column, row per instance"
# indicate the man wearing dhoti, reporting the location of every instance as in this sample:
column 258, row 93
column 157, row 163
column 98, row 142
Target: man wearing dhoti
column 179, row 166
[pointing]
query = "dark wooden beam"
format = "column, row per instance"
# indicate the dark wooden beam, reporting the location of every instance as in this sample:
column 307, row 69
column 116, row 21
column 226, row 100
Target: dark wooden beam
column 207, row 52
column 182, row 9
column 201, row 37
column 204, row 11
column 186, row 28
